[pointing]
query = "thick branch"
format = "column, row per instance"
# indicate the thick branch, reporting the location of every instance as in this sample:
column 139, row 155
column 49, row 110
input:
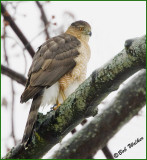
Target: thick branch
column 44, row 19
column 14, row 75
column 18, row 32
column 51, row 128
column 103, row 127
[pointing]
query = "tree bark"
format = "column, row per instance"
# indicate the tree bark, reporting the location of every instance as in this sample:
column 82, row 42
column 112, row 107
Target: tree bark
column 52, row 127
column 103, row 127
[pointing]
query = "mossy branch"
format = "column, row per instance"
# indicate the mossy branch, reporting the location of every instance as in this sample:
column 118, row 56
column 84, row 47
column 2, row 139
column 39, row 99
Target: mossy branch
column 51, row 128
column 94, row 136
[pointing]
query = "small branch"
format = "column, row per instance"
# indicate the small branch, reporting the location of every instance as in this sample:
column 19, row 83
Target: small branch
column 107, row 152
column 103, row 127
column 12, row 112
column 18, row 32
column 52, row 127
column 14, row 75
column 12, row 87
column 4, row 45
column 44, row 19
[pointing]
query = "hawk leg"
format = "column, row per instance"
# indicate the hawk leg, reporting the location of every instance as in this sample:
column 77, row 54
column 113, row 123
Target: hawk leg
column 57, row 103
column 63, row 95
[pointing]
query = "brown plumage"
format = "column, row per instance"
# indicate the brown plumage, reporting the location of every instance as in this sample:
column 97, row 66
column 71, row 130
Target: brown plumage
column 58, row 63
column 54, row 59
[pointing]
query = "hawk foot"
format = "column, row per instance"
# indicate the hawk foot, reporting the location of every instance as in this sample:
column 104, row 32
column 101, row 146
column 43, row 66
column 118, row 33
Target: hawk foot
column 56, row 106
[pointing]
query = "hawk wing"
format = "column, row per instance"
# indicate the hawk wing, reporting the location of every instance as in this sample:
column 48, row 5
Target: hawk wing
column 53, row 60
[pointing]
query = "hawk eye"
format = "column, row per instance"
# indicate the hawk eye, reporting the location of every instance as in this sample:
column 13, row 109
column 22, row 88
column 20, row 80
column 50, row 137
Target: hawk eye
column 81, row 28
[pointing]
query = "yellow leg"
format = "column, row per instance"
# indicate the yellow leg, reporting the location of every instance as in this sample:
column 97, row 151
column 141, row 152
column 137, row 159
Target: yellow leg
column 63, row 97
column 57, row 105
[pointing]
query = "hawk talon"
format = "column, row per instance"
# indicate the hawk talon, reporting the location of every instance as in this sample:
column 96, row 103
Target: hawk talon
column 52, row 108
column 56, row 106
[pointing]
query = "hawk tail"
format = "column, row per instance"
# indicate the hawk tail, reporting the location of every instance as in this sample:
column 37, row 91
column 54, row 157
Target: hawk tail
column 31, row 119
column 29, row 93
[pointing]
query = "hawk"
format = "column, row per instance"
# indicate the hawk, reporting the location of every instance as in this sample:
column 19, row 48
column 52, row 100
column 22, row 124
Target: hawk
column 58, row 68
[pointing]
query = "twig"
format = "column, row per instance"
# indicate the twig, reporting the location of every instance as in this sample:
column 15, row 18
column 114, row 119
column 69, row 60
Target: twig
column 4, row 45
column 25, row 60
column 12, row 88
column 18, row 32
column 107, row 152
column 12, row 112
column 14, row 75
column 44, row 19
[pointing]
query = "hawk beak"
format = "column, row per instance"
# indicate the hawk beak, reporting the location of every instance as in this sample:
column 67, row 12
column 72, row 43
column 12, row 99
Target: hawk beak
column 89, row 33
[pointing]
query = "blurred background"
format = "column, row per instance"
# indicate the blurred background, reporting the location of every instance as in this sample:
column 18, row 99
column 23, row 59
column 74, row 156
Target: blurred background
column 112, row 23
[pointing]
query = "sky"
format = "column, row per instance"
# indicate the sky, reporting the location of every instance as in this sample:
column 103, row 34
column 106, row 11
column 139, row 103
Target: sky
column 112, row 23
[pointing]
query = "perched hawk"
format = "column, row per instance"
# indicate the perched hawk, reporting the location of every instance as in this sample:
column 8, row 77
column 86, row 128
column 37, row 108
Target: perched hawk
column 58, row 68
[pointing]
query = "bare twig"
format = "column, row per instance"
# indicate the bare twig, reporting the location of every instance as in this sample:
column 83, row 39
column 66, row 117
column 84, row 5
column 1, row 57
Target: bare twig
column 18, row 32
column 4, row 40
column 12, row 87
column 12, row 112
column 14, row 75
column 44, row 19
column 107, row 152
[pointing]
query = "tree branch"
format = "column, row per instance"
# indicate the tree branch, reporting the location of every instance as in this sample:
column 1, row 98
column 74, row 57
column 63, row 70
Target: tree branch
column 18, row 32
column 12, row 87
column 107, row 152
column 105, row 149
column 44, row 19
column 103, row 127
column 52, row 127
column 14, row 75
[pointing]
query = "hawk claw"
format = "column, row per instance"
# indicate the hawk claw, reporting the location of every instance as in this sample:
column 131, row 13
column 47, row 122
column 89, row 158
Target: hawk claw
column 56, row 106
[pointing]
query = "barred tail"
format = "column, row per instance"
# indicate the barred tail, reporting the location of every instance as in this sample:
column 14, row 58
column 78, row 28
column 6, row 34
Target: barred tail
column 31, row 119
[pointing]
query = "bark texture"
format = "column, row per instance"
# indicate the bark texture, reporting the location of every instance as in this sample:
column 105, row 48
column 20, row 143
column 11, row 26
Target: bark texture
column 103, row 127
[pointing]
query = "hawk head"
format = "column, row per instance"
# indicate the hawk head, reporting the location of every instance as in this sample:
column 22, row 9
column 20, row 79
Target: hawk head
column 80, row 29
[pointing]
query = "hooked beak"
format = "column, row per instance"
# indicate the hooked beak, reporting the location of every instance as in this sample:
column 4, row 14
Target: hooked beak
column 89, row 33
